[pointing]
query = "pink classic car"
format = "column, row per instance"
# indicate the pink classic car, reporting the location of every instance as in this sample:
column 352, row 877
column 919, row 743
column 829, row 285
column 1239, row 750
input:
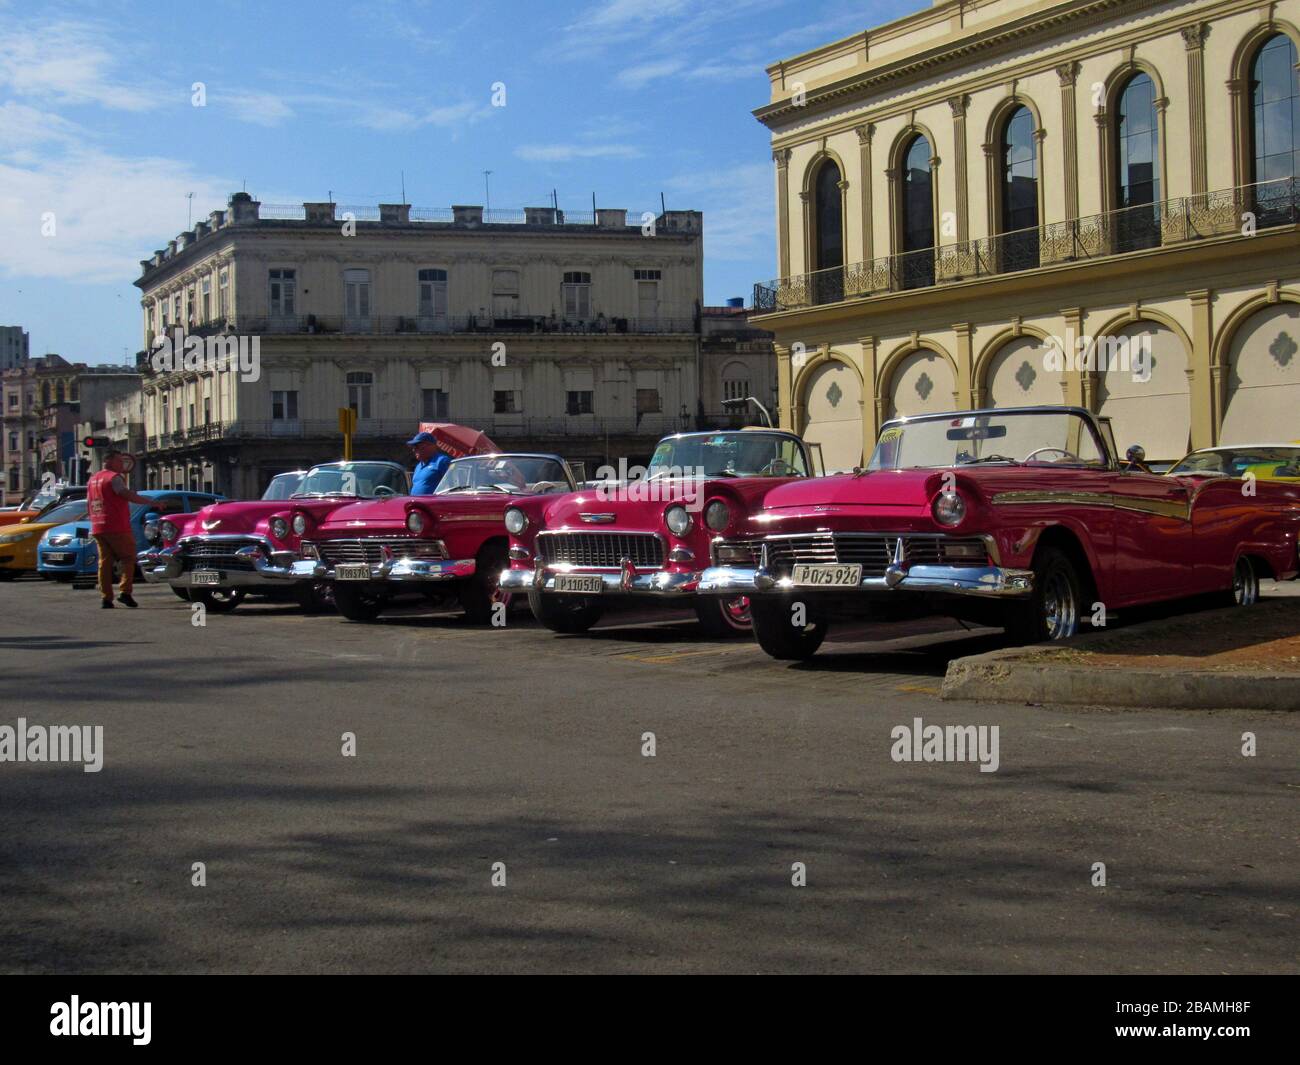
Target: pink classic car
column 648, row 537
column 1017, row 517
column 226, row 551
column 449, row 545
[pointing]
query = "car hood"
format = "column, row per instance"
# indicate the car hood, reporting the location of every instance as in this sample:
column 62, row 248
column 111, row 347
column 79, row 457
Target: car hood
column 641, row 504
column 69, row 528
column 389, row 515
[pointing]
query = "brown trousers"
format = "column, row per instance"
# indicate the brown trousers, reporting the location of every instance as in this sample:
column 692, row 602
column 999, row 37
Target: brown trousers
column 115, row 547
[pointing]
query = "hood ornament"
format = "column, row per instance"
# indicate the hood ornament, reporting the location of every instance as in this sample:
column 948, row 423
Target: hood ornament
column 210, row 525
column 597, row 519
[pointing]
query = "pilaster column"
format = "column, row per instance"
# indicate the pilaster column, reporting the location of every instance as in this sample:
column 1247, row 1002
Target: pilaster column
column 1194, row 40
column 870, row 390
column 1078, row 389
column 967, row 396
column 1068, row 74
column 782, row 159
column 1202, row 377
column 958, row 104
column 865, row 133
column 784, row 387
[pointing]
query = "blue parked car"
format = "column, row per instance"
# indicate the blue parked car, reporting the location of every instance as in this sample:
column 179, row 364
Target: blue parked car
column 67, row 551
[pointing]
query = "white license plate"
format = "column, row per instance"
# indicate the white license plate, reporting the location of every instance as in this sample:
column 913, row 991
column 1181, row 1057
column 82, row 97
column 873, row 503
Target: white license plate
column 57, row 556
column 833, row 576
column 205, row 576
column 584, row 585
column 352, row 573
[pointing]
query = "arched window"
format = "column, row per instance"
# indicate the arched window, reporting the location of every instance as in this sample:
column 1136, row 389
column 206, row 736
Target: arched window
column 1137, row 165
column 1019, row 193
column 917, row 213
column 828, row 234
column 1275, row 110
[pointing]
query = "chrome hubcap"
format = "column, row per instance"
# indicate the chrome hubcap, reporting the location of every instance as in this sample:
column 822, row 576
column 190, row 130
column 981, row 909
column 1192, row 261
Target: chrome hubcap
column 1060, row 612
column 736, row 611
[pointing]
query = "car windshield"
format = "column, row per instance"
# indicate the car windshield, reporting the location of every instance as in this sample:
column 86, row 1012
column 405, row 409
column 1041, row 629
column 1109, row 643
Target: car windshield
column 1058, row 438
column 1237, row 462
column 735, row 454
column 283, row 486
column 366, row 479
column 513, row 474
column 65, row 512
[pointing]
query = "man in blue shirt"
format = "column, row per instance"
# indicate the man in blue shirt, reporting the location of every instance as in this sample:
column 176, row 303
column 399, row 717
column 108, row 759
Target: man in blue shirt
column 430, row 464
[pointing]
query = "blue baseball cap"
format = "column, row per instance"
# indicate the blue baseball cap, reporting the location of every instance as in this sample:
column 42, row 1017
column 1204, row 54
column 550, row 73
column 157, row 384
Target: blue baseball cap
column 421, row 438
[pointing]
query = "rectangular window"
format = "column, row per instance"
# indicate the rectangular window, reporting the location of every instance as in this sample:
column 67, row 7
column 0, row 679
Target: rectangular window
column 435, row 404
column 505, row 293
column 283, row 291
column 579, row 403
column 206, row 305
column 193, row 420
column 735, row 388
column 359, row 386
column 577, row 294
column 356, row 295
column 648, row 275
column 433, row 293
column 647, row 401
column 207, row 410
column 284, row 406
column 505, row 401
column 13, row 400
column 13, row 441
column 223, row 291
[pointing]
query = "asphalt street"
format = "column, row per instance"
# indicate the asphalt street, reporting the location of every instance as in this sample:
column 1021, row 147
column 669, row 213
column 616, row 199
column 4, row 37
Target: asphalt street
column 223, row 745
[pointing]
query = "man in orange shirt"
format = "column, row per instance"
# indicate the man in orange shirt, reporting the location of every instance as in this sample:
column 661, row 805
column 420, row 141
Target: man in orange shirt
column 108, row 504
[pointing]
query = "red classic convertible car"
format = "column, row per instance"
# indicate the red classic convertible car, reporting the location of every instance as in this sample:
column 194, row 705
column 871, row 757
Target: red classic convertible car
column 1019, row 517
column 449, row 544
column 225, row 551
column 648, row 536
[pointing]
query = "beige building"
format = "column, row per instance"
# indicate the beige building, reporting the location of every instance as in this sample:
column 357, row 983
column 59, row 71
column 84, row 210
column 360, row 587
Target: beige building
column 963, row 189
column 736, row 362
column 576, row 334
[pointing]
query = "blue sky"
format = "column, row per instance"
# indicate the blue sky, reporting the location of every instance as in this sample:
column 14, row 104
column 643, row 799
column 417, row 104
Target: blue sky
column 623, row 98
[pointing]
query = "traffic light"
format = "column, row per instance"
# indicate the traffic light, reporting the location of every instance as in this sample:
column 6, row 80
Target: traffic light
column 95, row 441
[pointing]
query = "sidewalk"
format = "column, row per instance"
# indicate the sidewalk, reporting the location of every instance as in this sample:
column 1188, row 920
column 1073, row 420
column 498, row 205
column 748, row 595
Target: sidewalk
column 1206, row 660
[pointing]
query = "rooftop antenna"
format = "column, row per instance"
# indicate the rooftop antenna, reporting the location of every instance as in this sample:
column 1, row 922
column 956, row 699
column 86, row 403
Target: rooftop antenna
column 487, row 190
column 189, row 213
column 663, row 207
column 403, row 186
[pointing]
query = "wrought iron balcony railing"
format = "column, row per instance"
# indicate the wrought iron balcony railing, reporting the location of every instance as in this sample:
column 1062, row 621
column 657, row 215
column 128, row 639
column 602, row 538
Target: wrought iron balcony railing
column 389, row 325
column 1242, row 210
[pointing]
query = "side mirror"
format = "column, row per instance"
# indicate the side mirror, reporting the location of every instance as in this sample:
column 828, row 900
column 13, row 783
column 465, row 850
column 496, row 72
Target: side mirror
column 1136, row 455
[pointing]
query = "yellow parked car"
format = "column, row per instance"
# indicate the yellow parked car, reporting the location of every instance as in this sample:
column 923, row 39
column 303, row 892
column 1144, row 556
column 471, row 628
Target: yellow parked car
column 1266, row 462
column 18, row 542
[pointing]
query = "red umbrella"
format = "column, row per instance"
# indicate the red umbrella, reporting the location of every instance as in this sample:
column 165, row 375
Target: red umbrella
column 459, row 440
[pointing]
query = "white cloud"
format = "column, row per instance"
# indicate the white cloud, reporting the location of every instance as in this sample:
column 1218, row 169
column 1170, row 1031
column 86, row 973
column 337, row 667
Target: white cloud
column 258, row 108
column 68, row 63
column 638, row 76
column 562, row 153
column 108, row 213
column 737, row 202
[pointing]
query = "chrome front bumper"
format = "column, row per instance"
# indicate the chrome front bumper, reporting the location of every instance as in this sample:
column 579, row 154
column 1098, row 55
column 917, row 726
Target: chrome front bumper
column 987, row 581
column 165, row 566
column 397, row 570
column 626, row 581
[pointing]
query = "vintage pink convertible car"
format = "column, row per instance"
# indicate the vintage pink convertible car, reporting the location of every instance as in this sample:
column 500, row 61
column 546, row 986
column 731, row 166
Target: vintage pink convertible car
column 1018, row 517
column 648, row 537
column 226, row 551
column 447, row 545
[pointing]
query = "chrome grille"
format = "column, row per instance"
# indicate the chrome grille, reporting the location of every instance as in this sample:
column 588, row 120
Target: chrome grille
column 216, row 554
column 371, row 550
column 600, row 550
column 873, row 551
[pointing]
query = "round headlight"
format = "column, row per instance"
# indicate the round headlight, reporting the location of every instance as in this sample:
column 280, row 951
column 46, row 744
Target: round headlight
column 167, row 531
column 279, row 528
column 299, row 524
column 516, row 521
column 949, row 508
column 151, row 532
column 678, row 520
column 717, row 515
column 415, row 522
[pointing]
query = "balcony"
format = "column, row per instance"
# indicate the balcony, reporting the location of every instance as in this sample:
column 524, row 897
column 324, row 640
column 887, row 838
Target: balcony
column 501, row 427
column 1155, row 225
column 515, row 324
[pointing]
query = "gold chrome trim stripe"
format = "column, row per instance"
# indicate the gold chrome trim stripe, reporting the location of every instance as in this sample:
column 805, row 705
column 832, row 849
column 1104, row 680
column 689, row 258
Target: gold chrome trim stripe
column 1166, row 508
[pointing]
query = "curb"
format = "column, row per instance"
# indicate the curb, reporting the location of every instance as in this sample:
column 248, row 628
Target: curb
column 1008, row 676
